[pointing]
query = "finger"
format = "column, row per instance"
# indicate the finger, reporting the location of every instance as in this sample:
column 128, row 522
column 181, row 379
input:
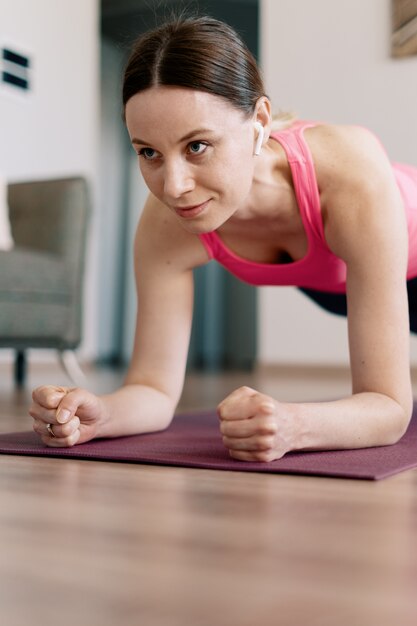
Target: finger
column 246, row 406
column 259, row 425
column 250, row 444
column 237, row 404
column 49, row 396
column 59, row 431
column 262, row 456
column 69, row 404
column 63, row 411
column 62, row 442
column 48, row 416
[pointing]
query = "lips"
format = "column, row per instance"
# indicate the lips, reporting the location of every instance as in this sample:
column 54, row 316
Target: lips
column 191, row 211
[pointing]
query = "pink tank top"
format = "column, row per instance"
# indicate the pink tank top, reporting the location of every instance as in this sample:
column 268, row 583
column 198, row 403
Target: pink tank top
column 319, row 269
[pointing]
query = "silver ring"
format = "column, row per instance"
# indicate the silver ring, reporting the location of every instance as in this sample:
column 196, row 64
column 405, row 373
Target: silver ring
column 50, row 431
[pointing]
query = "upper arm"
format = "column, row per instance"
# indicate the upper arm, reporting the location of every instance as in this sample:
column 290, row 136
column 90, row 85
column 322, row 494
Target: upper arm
column 365, row 225
column 164, row 257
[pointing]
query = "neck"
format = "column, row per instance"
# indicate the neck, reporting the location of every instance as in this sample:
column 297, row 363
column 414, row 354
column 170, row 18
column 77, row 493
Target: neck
column 271, row 197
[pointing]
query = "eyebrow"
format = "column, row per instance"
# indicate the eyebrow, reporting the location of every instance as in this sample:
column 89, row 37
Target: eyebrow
column 198, row 131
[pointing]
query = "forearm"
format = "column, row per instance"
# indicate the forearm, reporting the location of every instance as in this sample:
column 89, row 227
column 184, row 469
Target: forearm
column 134, row 409
column 359, row 421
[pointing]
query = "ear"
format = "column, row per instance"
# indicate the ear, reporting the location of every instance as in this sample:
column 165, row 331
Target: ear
column 262, row 122
column 263, row 114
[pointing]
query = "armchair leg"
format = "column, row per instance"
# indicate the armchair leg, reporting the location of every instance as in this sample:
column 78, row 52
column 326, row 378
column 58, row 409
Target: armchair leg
column 20, row 368
column 72, row 368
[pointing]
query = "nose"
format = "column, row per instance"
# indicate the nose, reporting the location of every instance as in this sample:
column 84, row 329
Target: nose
column 178, row 179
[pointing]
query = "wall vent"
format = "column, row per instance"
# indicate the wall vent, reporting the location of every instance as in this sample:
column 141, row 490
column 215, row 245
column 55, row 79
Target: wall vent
column 15, row 68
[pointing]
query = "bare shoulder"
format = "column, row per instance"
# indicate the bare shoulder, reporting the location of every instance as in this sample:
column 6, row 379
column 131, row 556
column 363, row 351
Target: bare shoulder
column 163, row 242
column 358, row 194
column 346, row 153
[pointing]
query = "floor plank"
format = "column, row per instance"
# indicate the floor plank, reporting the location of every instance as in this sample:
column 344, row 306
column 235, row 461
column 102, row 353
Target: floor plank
column 95, row 543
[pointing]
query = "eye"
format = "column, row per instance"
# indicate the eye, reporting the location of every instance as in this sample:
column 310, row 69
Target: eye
column 197, row 147
column 149, row 154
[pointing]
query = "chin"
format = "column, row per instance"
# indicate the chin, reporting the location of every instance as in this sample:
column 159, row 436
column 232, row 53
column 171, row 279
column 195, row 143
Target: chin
column 200, row 226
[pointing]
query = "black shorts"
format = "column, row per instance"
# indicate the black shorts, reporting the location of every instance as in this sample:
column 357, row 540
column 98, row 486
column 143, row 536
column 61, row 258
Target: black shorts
column 336, row 302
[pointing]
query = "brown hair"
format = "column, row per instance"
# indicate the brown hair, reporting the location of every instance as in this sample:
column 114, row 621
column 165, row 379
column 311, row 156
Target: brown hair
column 197, row 53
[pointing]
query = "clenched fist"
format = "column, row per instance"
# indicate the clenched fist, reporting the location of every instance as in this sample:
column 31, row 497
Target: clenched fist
column 63, row 416
column 255, row 427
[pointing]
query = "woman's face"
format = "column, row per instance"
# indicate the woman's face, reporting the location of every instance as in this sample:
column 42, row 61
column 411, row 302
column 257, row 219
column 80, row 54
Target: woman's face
column 195, row 153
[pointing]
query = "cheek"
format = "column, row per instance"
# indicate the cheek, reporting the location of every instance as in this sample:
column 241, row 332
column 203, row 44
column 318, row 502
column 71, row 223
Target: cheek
column 151, row 179
column 240, row 158
column 238, row 177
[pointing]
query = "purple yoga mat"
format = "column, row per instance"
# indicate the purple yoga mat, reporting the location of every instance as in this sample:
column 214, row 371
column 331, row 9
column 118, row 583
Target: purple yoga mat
column 194, row 440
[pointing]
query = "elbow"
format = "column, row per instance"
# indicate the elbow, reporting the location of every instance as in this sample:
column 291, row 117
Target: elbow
column 402, row 429
column 166, row 421
column 399, row 422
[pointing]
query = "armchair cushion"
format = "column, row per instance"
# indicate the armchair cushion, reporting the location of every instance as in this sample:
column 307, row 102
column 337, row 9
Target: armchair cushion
column 34, row 298
column 41, row 277
column 29, row 276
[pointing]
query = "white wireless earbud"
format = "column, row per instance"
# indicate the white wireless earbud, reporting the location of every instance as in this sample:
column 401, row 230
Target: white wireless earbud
column 260, row 137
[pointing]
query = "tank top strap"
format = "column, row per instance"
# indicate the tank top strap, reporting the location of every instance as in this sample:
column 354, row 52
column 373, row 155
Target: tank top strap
column 304, row 176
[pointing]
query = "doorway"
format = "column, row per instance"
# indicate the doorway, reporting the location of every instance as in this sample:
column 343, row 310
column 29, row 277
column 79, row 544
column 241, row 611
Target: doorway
column 225, row 314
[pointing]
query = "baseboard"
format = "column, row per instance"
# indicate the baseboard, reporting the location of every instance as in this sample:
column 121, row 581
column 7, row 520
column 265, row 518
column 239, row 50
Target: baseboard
column 336, row 371
column 302, row 369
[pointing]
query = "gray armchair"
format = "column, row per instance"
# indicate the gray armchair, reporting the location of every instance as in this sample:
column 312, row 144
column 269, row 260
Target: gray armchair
column 41, row 277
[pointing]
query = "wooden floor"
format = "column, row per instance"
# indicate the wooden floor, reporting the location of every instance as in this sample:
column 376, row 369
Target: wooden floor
column 107, row 544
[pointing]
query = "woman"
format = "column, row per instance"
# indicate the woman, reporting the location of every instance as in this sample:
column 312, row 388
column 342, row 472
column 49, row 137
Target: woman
column 312, row 205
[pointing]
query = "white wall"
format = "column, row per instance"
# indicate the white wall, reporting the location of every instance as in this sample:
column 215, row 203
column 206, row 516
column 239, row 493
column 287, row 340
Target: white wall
column 330, row 60
column 52, row 131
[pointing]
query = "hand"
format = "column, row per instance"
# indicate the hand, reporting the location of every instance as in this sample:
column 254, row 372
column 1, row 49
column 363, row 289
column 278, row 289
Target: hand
column 73, row 414
column 255, row 427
